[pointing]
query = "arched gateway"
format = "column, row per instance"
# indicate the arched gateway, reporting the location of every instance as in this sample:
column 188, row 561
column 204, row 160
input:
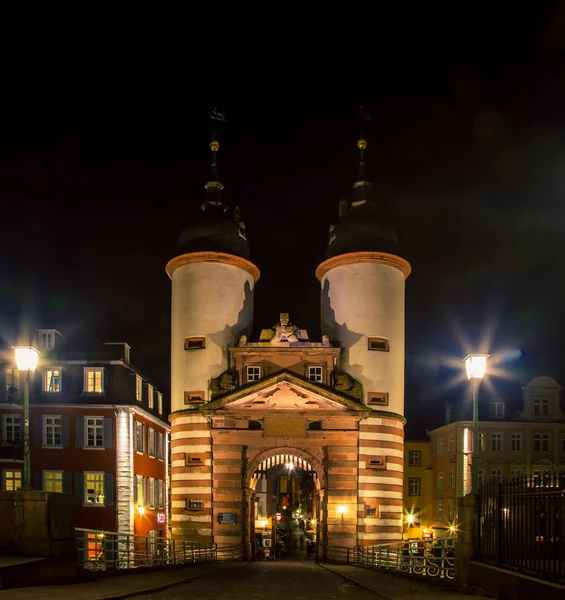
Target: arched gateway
column 284, row 423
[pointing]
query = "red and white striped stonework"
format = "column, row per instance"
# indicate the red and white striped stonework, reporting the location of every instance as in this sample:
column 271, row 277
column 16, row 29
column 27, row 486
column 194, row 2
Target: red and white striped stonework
column 191, row 477
column 380, row 488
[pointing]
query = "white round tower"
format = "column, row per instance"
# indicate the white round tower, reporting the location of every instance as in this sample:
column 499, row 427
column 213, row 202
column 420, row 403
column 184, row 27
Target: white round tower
column 212, row 295
column 362, row 301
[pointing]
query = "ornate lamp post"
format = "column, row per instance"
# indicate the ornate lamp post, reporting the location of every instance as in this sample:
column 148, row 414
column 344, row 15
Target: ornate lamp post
column 26, row 361
column 476, row 366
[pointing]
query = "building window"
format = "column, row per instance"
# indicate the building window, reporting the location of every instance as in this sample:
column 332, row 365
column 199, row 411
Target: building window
column 563, row 443
column 378, row 343
column 481, row 477
column 194, row 343
column 414, row 486
column 481, row 442
column 138, row 388
column 151, row 442
column 255, row 425
column 541, row 407
column 439, row 510
column 12, row 429
column 94, row 488
column 440, row 446
column 315, row 425
column 370, row 511
column 194, row 397
column 496, row 410
column 139, row 445
column 93, row 380
column 517, row 472
column 150, row 398
column 496, row 475
column 496, row 442
column 52, row 380
column 46, row 340
column 316, row 374
column 94, row 437
column 151, row 492
column 450, row 479
column 451, row 445
column 52, row 431
column 53, row 481
column 139, row 492
column 12, row 480
column 253, row 373
column 440, row 480
column 541, row 442
column 377, row 398
column 414, row 458
column 160, row 446
column 450, row 512
column 516, row 442
column 160, row 403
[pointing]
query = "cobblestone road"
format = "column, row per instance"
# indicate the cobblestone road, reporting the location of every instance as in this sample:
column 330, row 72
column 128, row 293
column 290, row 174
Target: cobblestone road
column 281, row 580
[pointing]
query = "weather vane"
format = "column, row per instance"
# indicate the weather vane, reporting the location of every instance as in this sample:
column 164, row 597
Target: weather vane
column 217, row 116
column 362, row 116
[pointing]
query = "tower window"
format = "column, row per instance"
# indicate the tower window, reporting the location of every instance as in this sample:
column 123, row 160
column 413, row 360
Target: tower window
column 379, row 343
column 255, row 425
column 378, row 462
column 377, row 398
column 193, row 397
column 194, row 343
column 315, row 425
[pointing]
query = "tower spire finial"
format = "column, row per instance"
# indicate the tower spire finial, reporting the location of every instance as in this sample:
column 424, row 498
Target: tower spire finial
column 362, row 186
column 214, row 187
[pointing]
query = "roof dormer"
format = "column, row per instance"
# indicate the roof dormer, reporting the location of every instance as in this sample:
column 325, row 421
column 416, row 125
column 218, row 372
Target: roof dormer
column 48, row 339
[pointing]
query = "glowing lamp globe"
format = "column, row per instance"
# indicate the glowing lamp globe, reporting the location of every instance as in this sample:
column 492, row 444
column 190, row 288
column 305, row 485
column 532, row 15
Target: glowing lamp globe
column 476, row 365
column 26, row 358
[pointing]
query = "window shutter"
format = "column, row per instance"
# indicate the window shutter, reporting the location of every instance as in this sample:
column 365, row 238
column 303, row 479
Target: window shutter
column 67, row 482
column 108, row 432
column 79, row 432
column 79, row 488
column 37, row 430
column 65, row 432
column 36, row 480
column 108, row 489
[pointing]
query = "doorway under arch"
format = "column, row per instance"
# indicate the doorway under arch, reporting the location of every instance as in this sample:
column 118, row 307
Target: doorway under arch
column 285, row 489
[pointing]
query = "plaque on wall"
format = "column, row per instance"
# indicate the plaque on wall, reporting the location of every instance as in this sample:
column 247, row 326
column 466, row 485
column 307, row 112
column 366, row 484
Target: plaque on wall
column 227, row 518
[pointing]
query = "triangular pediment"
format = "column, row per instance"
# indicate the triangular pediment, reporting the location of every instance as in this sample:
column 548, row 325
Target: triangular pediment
column 285, row 391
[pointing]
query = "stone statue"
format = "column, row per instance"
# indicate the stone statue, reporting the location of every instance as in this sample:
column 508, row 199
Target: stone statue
column 242, row 341
column 343, row 382
column 285, row 331
column 222, row 384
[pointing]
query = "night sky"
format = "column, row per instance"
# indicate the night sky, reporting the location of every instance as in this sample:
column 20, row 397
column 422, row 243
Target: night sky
column 99, row 172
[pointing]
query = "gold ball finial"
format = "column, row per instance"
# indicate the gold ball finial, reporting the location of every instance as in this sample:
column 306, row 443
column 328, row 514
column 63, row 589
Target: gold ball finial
column 214, row 145
column 361, row 144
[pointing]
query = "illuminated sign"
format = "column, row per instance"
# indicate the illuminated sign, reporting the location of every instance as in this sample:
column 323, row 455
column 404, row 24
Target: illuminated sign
column 160, row 517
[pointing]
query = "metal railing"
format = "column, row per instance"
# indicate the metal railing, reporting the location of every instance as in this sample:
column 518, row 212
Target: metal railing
column 101, row 550
column 431, row 558
column 522, row 524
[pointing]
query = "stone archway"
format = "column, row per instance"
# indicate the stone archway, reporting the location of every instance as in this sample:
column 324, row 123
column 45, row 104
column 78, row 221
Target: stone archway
column 273, row 458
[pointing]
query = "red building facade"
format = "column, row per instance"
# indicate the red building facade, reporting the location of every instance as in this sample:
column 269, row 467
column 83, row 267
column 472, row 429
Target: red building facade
column 97, row 430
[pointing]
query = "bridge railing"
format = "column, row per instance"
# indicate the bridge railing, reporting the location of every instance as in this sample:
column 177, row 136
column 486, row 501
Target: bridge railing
column 431, row 558
column 101, row 550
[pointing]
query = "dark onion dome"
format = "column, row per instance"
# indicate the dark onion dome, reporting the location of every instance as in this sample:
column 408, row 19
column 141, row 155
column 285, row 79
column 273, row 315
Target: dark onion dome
column 363, row 226
column 208, row 233
column 216, row 228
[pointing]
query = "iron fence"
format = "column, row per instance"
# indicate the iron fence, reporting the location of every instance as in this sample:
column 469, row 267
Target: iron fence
column 522, row 524
column 101, row 550
column 431, row 558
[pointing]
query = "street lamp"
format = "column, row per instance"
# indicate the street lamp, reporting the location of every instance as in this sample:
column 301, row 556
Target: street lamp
column 26, row 361
column 476, row 366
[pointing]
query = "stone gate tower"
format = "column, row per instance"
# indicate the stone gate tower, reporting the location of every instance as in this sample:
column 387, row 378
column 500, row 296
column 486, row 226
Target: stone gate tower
column 362, row 310
column 212, row 306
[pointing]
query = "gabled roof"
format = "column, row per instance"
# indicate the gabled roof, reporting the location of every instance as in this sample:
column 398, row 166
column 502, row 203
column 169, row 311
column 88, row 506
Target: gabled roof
column 285, row 391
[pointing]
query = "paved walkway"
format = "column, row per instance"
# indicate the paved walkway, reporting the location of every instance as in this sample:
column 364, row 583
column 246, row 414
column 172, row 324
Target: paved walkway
column 383, row 585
